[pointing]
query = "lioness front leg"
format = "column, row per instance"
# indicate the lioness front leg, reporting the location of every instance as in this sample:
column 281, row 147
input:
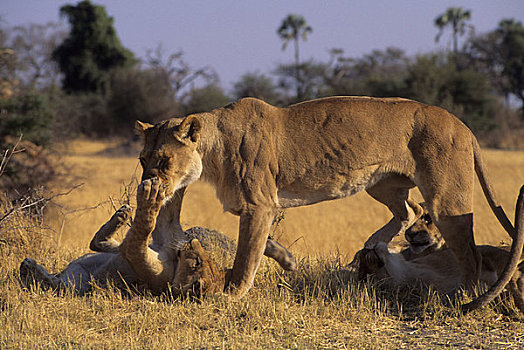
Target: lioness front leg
column 134, row 248
column 103, row 240
column 252, row 237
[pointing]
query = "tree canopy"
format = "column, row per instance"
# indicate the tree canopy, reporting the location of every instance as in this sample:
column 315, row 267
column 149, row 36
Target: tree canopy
column 91, row 50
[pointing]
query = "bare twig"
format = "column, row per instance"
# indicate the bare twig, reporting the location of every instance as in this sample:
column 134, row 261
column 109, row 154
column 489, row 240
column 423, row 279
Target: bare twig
column 26, row 205
column 113, row 205
column 65, row 215
column 295, row 241
column 7, row 155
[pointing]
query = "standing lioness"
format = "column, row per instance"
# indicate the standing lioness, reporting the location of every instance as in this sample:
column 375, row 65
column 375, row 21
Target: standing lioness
column 261, row 158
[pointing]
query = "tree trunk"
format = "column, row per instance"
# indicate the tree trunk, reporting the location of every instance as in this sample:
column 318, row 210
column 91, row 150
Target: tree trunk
column 297, row 71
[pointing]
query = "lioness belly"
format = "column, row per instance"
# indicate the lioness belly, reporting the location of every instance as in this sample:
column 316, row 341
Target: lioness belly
column 306, row 192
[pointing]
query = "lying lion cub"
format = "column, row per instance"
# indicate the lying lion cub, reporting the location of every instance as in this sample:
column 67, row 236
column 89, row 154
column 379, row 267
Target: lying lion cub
column 194, row 270
column 185, row 265
column 427, row 259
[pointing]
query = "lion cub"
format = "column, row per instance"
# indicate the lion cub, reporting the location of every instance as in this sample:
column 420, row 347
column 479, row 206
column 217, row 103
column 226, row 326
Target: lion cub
column 427, row 259
column 195, row 271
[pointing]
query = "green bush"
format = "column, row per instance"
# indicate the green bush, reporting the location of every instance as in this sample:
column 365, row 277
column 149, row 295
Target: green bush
column 32, row 166
column 435, row 80
column 26, row 114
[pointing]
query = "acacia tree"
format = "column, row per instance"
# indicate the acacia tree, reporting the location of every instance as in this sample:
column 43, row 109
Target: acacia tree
column 177, row 72
column 205, row 99
column 380, row 73
column 454, row 17
column 92, row 49
column 312, row 81
column 293, row 28
column 33, row 45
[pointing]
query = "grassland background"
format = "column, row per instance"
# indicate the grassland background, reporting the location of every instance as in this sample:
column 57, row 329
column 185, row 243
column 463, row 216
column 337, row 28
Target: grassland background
column 312, row 308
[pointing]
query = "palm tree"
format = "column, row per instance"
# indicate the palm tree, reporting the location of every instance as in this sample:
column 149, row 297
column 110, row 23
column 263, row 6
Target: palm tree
column 455, row 17
column 294, row 27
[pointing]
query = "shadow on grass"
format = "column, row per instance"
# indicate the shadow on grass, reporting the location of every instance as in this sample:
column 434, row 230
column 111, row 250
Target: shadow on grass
column 330, row 281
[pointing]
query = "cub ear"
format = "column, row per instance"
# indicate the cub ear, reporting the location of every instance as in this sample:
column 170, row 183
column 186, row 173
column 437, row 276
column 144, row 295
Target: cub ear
column 140, row 127
column 189, row 130
column 196, row 246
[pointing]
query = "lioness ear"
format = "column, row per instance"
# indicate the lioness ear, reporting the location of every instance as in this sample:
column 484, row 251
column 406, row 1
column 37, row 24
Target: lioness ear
column 141, row 127
column 189, row 130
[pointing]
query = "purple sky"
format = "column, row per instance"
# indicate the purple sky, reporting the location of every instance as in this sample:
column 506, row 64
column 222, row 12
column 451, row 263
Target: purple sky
column 235, row 36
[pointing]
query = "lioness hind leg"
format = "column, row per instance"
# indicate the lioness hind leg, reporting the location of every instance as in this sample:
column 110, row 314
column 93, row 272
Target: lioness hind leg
column 103, row 240
column 457, row 231
column 448, row 192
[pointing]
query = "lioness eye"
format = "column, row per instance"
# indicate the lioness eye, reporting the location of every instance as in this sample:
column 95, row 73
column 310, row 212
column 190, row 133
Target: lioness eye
column 427, row 218
column 163, row 163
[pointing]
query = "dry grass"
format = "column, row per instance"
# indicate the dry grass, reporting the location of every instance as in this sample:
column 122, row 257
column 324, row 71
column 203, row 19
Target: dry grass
column 315, row 307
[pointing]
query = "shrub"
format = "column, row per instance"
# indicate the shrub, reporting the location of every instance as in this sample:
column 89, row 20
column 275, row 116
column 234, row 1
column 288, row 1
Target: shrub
column 26, row 114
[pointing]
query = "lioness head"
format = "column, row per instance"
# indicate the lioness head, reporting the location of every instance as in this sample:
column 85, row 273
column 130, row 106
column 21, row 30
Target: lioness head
column 196, row 273
column 424, row 234
column 170, row 153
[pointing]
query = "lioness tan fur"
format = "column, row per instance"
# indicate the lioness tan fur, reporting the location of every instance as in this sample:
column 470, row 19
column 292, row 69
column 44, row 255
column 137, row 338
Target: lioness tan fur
column 427, row 259
column 261, row 158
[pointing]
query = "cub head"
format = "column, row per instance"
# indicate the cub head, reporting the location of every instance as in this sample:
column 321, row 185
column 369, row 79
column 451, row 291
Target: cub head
column 197, row 274
column 170, row 153
column 423, row 235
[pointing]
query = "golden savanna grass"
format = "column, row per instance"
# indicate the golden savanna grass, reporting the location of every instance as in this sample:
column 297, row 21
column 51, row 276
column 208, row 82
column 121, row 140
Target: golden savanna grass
column 319, row 306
